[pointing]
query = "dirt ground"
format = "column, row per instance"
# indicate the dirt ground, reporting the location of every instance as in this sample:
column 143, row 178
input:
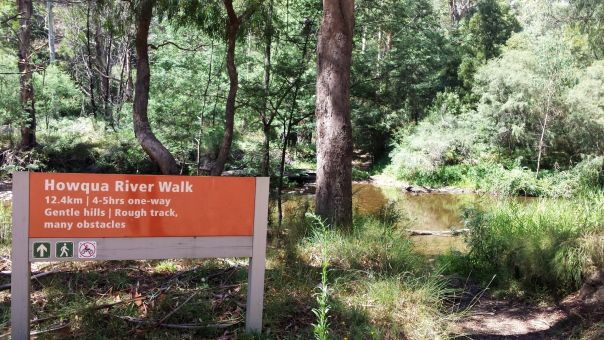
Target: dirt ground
column 491, row 318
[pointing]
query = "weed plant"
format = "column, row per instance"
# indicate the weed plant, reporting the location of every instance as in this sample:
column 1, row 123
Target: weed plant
column 321, row 325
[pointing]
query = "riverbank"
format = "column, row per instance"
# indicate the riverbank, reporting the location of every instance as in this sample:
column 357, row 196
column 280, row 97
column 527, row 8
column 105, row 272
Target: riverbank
column 584, row 177
column 389, row 181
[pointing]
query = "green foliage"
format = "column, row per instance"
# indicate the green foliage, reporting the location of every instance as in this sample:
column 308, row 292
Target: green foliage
column 374, row 261
column 56, row 94
column 546, row 244
column 188, row 120
column 540, row 88
column 360, row 175
column 441, row 176
column 522, row 88
column 480, row 37
column 85, row 145
column 10, row 111
column 585, row 102
column 588, row 15
column 373, row 244
column 488, row 28
column 397, row 68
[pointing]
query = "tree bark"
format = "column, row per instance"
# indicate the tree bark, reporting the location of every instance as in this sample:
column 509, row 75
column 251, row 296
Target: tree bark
column 232, row 26
column 142, row 129
column 334, row 130
column 28, row 130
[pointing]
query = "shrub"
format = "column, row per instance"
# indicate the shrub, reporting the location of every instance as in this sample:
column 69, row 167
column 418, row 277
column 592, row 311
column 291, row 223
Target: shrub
column 517, row 181
column 440, row 140
column 442, row 176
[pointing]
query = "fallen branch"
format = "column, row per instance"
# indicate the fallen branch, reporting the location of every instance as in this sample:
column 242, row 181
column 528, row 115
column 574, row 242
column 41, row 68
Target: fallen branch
column 454, row 232
column 176, row 309
column 177, row 326
column 34, row 277
column 52, row 328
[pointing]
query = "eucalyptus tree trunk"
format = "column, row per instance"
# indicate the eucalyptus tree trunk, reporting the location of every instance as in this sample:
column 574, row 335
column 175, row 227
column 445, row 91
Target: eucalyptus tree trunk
column 232, row 27
column 142, row 129
column 334, row 129
column 28, row 129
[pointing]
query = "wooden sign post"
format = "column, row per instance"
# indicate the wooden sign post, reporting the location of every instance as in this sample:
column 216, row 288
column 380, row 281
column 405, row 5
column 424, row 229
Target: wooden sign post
column 83, row 217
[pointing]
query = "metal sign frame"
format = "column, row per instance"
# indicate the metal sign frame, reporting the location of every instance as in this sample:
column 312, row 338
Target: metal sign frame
column 137, row 248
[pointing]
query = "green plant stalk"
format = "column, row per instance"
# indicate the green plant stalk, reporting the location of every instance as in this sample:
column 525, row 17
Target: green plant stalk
column 321, row 327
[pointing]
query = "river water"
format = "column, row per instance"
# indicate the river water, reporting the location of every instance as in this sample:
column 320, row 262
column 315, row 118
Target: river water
column 434, row 211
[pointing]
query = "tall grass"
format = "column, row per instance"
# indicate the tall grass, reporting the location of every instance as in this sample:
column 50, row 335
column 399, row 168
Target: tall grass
column 378, row 287
column 543, row 245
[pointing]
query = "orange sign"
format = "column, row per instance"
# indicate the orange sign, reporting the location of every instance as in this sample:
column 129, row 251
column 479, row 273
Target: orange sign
column 92, row 205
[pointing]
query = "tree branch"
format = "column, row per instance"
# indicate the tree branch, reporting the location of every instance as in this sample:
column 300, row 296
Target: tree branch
column 195, row 49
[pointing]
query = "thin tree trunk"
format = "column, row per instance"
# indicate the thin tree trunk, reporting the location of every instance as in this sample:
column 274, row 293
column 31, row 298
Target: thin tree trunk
column 203, row 107
column 129, row 85
column 28, row 130
column 229, row 114
column 120, row 90
column 541, row 145
column 289, row 123
column 51, row 31
column 334, row 130
column 540, row 151
column 286, row 130
column 103, row 54
column 267, row 121
column 89, row 62
column 107, row 81
column 142, row 129
column 364, row 39
column 264, row 167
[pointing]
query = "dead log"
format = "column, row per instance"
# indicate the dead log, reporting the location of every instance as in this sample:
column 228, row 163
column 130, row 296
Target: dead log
column 453, row 232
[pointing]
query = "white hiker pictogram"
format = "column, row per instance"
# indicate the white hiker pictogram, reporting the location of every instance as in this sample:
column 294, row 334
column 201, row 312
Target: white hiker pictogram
column 64, row 250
